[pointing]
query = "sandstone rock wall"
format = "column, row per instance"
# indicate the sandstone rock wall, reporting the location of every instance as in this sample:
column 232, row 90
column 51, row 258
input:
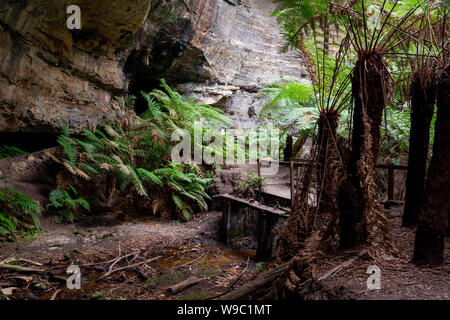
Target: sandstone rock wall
column 226, row 51
column 48, row 72
column 219, row 51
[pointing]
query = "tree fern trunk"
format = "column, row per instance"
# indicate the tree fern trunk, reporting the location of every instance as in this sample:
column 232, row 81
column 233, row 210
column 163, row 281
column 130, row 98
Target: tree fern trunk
column 433, row 216
column 357, row 196
column 329, row 173
column 298, row 145
column 422, row 107
column 304, row 215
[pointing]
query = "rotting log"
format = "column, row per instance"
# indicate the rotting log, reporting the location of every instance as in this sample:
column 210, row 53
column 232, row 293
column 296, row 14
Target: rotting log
column 257, row 284
column 181, row 286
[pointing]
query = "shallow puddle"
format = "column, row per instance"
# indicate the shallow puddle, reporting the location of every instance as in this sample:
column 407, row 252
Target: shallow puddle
column 205, row 257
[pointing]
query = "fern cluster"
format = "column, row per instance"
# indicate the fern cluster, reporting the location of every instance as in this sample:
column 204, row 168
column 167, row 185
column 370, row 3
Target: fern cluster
column 17, row 213
column 290, row 105
column 171, row 111
column 65, row 205
column 108, row 150
column 251, row 185
column 186, row 186
column 181, row 112
column 135, row 157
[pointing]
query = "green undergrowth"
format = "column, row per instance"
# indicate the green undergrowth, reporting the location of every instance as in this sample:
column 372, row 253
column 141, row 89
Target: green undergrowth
column 131, row 160
column 19, row 215
column 7, row 151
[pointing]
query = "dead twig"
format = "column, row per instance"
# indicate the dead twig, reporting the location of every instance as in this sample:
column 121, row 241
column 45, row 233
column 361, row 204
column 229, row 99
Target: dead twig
column 55, row 294
column 186, row 264
column 342, row 266
column 6, row 264
column 110, row 272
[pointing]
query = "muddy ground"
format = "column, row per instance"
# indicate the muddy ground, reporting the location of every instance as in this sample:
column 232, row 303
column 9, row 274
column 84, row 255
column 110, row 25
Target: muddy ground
column 183, row 250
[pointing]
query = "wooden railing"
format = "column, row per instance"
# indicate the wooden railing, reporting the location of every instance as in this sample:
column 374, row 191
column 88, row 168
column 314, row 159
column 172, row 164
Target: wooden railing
column 391, row 168
column 391, row 176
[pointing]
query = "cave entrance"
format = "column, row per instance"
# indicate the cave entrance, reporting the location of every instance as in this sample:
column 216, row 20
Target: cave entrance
column 141, row 83
column 26, row 141
column 160, row 59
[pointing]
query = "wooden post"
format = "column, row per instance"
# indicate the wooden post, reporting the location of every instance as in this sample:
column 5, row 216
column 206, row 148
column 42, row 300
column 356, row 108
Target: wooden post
column 259, row 175
column 288, row 148
column 391, row 183
column 292, row 183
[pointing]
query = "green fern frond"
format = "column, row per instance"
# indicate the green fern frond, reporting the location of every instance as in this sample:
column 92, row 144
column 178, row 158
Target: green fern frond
column 177, row 200
column 83, row 203
column 7, row 223
column 67, row 144
column 16, row 212
column 137, row 182
column 149, row 176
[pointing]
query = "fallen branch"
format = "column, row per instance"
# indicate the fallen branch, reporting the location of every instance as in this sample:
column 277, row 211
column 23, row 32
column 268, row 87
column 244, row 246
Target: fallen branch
column 110, row 269
column 177, row 288
column 342, row 266
column 6, row 264
column 103, row 262
column 110, row 272
column 186, row 264
column 250, row 287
